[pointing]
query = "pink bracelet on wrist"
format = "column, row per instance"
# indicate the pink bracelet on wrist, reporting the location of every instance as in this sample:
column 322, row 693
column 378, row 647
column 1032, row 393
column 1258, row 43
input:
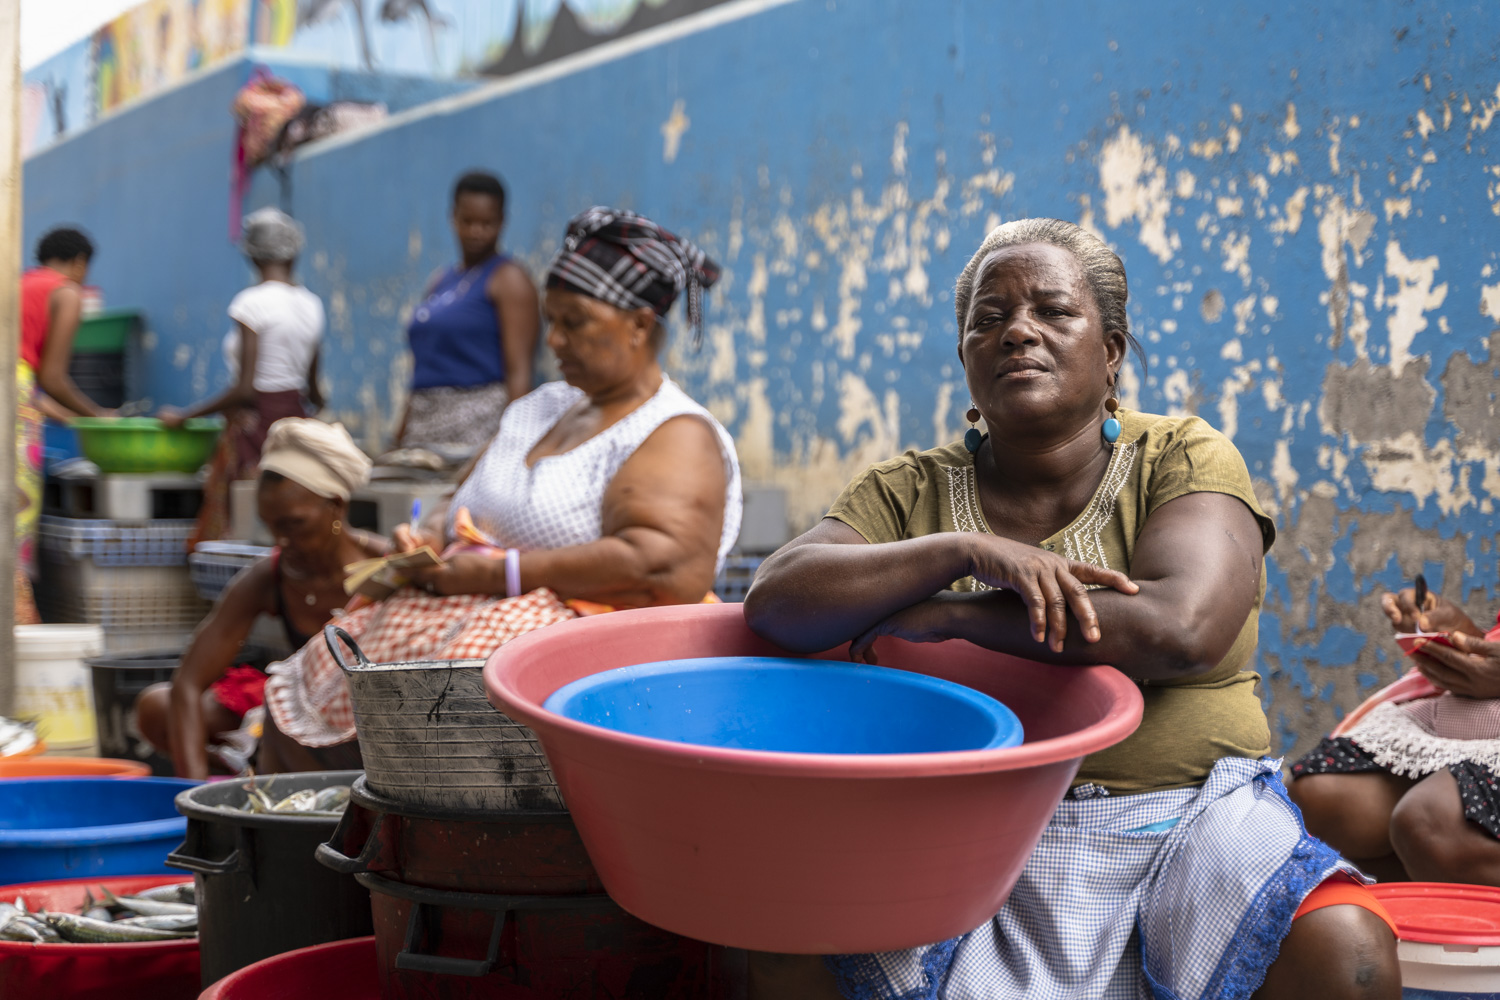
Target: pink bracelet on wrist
column 512, row 573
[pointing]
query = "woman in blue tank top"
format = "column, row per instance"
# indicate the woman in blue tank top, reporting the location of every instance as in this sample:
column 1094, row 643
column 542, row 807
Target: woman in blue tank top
column 474, row 336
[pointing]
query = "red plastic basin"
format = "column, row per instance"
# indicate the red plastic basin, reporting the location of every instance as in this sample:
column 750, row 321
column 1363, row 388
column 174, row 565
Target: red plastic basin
column 152, row 970
column 809, row 853
column 342, row 969
column 1443, row 912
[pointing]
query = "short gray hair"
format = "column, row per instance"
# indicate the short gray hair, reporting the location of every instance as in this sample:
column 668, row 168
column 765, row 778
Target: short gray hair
column 1101, row 265
column 271, row 235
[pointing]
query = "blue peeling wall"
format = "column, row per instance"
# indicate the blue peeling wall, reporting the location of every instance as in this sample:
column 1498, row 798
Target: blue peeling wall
column 1306, row 202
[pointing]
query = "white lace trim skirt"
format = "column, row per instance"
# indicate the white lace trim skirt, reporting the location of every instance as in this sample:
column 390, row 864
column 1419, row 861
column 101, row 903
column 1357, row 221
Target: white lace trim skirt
column 1417, row 738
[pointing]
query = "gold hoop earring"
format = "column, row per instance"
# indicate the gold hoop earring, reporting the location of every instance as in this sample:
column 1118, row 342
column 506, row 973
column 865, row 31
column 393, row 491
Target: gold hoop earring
column 338, row 527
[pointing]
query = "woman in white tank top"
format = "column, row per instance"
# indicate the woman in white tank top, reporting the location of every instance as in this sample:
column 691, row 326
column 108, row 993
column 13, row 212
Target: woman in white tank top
column 610, row 488
column 272, row 356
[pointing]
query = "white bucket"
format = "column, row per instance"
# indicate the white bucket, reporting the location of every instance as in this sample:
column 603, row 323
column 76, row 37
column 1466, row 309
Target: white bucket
column 54, row 686
column 1433, row 971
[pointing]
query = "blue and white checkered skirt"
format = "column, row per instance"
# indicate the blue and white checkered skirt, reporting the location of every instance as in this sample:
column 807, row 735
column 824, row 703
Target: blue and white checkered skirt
column 1178, row 895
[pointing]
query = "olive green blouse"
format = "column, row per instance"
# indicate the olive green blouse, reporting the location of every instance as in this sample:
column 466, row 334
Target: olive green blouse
column 1188, row 724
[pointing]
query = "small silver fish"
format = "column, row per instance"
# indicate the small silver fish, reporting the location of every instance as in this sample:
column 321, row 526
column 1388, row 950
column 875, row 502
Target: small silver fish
column 184, row 922
column 181, row 892
column 297, row 802
column 49, row 936
column 14, row 928
column 82, row 930
column 332, row 799
column 146, row 907
column 98, row 913
column 258, row 801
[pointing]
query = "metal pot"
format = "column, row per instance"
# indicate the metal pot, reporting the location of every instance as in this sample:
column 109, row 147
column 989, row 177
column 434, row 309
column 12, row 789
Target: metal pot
column 430, row 738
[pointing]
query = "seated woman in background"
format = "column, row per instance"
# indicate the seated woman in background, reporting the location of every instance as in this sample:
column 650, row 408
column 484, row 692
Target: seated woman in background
column 612, row 487
column 272, row 355
column 473, row 336
column 1075, row 533
column 307, row 472
column 1406, row 786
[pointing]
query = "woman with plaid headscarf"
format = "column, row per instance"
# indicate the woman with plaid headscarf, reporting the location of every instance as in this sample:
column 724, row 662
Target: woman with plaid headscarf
column 611, row 488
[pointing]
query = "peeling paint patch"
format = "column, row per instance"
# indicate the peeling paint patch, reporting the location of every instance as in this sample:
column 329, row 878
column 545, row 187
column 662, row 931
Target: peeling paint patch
column 1410, row 302
column 1135, row 187
column 1339, row 227
column 672, row 131
column 1489, row 301
column 1291, row 213
column 1211, row 308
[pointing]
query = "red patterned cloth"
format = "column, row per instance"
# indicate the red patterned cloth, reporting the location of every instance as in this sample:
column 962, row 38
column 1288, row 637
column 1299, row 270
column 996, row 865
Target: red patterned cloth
column 308, row 696
column 240, row 689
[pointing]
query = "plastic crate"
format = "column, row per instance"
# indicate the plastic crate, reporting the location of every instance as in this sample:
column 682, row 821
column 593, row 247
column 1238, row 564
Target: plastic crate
column 735, row 578
column 139, row 607
column 213, row 564
column 115, row 543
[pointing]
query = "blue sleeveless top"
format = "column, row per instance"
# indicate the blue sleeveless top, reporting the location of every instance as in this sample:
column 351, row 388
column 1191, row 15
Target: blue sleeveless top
column 455, row 332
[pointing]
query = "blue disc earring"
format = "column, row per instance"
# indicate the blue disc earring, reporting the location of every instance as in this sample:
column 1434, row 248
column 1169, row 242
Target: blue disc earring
column 972, row 437
column 1111, row 428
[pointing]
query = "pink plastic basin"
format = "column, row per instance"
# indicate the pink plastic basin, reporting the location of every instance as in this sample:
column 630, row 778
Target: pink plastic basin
column 807, row 853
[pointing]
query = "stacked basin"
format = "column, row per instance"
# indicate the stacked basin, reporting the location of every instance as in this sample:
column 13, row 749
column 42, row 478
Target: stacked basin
column 806, row 852
column 62, row 837
column 479, row 883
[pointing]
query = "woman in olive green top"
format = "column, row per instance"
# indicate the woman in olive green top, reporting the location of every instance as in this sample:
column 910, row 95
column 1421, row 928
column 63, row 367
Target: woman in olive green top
column 1078, row 533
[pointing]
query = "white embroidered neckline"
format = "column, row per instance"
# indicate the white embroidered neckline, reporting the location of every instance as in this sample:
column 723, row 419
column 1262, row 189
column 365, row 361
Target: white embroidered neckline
column 1083, row 539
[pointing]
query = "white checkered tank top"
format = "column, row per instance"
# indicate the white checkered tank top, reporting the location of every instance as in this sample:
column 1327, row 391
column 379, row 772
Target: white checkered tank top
column 558, row 501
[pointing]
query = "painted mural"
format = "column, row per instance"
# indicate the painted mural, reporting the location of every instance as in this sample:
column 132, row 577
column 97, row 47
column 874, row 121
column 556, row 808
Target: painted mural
column 456, row 37
column 159, row 43
column 162, row 41
column 147, row 48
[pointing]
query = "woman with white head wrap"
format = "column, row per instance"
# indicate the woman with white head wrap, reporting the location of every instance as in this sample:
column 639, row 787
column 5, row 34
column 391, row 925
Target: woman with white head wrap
column 307, row 473
column 272, row 356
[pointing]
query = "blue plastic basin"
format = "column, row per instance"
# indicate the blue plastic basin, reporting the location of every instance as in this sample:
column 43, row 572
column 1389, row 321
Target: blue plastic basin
column 52, row 828
column 789, row 705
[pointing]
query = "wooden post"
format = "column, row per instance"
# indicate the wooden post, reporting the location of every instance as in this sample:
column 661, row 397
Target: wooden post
column 10, row 322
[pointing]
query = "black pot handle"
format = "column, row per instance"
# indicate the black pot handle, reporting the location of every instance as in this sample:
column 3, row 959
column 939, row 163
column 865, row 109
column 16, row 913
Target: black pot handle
column 331, row 857
column 443, row 965
column 241, row 859
column 332, row 633
column 424, row 899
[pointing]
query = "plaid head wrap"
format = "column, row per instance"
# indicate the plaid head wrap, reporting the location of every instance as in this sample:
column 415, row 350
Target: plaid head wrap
column 630, row 262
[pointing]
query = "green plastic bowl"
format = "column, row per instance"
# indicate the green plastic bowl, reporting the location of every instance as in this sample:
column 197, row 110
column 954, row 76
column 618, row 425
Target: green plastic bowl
column 142, row 444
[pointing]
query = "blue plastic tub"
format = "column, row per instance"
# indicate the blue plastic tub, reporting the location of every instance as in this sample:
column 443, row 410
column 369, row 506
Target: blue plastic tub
column 789, row 705
column 53, row 828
